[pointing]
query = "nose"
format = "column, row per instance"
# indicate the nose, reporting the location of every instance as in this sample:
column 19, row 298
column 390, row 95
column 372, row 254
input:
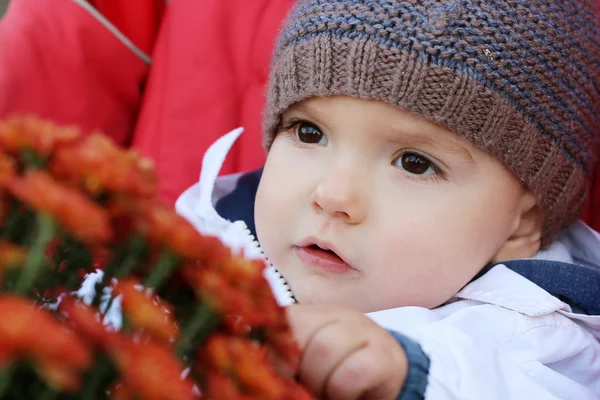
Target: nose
column 340, row 195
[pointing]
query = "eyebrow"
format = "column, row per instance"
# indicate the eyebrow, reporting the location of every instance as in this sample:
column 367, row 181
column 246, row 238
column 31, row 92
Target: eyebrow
column 439, row 141
column 313, row 113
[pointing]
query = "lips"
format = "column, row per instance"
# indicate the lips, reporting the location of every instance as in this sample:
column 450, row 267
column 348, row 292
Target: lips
column 323, row 257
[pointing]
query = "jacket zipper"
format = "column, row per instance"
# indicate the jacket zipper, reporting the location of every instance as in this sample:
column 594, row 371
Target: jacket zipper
column 270, row 268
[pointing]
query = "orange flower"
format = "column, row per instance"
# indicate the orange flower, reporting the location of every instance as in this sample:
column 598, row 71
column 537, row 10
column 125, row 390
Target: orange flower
column 11, row 255
column 30, row 332
column 246, row 362
column 221, row 387
column 86, row 322
column 247, row 276
column 163, row 225
column 7, row 172
column 147, row 313
column 119, row 391
column 246, row 301
column 43, row 137
column 151, row 371
column 236, row 368
column 282, row 342
column 101, row 166
column 7, row 168
column 213, row 287
column 249, row 273
column 58, row 376
column 295, row 391
column 76, row 212
column 4, row 208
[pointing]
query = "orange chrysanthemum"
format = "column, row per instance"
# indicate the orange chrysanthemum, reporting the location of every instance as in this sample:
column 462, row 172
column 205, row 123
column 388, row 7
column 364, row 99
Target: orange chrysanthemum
column 221, row 387
column 96, row 206
column 294, row 391
column 11, row 255
column 86, row 321
column 7, row 169
column 79, row 215
column 58, row 354
column 118, row 391
column 282, row 342
column 247, row 276
column 247, row 302
column 151, row 371
column 246, row 363
column 163, row 225
column 147, row 313
column 248, row 273
column 28, row 133
column 212, row 287
column 101, row 166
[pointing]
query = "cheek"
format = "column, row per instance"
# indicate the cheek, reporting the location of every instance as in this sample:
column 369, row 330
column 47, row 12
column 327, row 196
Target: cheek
column 278, row 200
column 422, row 264
column 267, row 208
column 431, row 249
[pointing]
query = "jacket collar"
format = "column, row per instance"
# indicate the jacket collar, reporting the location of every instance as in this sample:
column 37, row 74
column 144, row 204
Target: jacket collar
column 505, row 288
column 568, row 270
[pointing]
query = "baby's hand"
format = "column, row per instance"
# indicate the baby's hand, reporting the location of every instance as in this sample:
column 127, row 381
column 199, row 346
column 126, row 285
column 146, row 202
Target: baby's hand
column 346, row 355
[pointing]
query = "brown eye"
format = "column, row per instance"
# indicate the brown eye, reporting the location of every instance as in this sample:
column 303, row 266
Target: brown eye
column 416, row 164
column 310, row 134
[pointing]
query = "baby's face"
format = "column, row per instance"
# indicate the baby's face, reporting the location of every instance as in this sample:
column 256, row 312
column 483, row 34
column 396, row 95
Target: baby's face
column 365, row 205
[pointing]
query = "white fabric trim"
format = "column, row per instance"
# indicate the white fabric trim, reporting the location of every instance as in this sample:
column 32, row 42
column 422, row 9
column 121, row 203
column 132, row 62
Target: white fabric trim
column 113, row 29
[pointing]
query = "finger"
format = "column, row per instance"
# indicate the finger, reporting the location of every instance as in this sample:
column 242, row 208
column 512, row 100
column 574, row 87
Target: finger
column 324, row 351
column 369, row 373
column 306, row 319
column 360, row 376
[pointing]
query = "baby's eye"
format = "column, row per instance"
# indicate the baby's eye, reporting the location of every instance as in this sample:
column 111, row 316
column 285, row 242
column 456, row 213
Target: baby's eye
column 309, row 133
column 416, row 164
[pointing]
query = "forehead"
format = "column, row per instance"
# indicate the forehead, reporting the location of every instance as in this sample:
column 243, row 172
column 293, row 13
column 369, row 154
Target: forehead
column 378, row 119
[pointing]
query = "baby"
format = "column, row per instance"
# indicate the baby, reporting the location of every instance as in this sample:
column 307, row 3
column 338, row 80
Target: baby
column 426, row 163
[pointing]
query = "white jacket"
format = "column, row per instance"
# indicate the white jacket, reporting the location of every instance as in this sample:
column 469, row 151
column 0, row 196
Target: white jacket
column 501, row 337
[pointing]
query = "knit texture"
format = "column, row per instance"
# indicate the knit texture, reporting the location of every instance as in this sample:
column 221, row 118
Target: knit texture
column 519, row 79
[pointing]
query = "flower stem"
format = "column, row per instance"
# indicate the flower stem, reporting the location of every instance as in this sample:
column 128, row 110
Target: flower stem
column 134, row 252
column 109, row 303
column 5, row 379
column 93, row 385
column 128, row 264
column 200, row 326
column 166, row 262
column 46, row 228
column 124, row 268
column 50, row 395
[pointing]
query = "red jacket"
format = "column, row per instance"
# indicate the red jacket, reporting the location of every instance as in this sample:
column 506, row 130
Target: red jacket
column 209, row 64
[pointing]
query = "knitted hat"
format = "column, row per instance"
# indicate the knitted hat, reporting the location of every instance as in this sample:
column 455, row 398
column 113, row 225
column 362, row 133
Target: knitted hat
column 520, row 79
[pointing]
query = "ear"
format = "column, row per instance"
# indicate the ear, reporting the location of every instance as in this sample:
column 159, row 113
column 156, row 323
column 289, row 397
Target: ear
column 526, row 236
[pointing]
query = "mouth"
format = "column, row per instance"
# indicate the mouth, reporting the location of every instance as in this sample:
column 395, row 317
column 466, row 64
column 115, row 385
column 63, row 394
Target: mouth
column 323, row 257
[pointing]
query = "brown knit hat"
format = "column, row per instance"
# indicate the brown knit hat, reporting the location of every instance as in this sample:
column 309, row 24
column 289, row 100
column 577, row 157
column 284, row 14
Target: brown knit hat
column 518, row 78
